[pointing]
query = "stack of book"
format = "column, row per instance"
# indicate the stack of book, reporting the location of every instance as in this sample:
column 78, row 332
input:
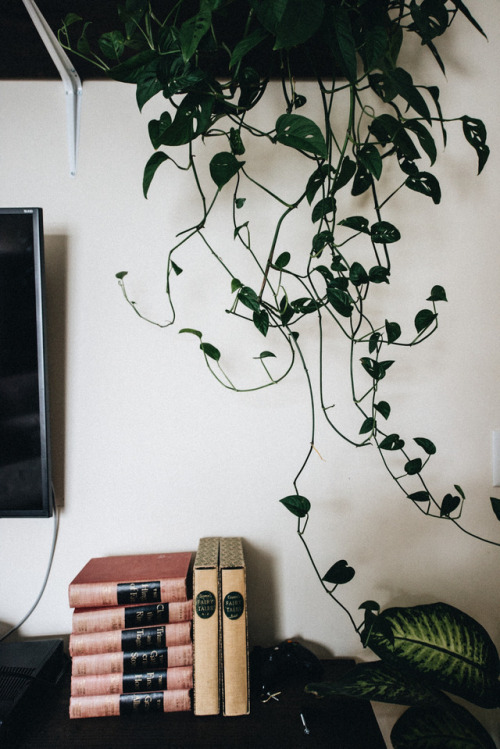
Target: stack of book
column 220, row 626
column 131, row 643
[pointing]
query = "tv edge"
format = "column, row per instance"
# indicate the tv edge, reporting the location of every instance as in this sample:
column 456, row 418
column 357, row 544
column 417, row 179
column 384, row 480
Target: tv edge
column 25, row 477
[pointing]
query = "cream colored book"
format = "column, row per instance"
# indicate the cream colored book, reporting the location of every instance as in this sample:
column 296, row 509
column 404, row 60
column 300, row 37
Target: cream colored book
column 234, row 628
column 206, row 655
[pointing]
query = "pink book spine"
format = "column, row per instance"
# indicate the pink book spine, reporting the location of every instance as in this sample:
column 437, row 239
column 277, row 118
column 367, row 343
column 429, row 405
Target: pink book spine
column 166, row 635
column 122, row 617
column 172, row 678
column 104, row 705
column 117, row 662
column 98, row 621
column 94, row 684
column 180, row 678
column 88, row 595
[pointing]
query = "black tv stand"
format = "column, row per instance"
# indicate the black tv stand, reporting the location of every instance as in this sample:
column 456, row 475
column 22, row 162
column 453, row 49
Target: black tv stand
column 341, row 722
column 27, row 670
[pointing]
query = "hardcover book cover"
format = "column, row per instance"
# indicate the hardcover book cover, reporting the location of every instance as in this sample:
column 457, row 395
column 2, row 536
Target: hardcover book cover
column 104, row 705
column 132, row 579
column 144, row 638
column 206, row 628
column 180, row 677
column 234, row 628
column 126, row 617
column 132, row 661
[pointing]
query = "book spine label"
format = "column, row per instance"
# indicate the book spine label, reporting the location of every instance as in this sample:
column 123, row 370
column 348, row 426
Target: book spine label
column 134, row 593
column 149, row 681
column 118, row 704
column 162, row 613
column 234, row 605
column 206, row 604
column 171, row 657
column 131, row 662
column 177, row 700
column 143, row 638
column 141, row 703
column 142, row 660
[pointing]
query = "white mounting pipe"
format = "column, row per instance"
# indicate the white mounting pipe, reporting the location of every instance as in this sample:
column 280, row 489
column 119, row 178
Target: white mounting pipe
column 70, row 79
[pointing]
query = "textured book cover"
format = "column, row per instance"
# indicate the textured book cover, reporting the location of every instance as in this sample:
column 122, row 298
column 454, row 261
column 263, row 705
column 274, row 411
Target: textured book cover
column 132, row 579
column 103, row 705
column 127, row 617
column 234, row 628
column 180, row 677
column 206, row 628
column 132, row 661
column 143, row 638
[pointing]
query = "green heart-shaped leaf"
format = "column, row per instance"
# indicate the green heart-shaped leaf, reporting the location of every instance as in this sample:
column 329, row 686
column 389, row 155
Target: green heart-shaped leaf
column 300, row 133
column 223, row 167
column 339, row 573
column 297, row 505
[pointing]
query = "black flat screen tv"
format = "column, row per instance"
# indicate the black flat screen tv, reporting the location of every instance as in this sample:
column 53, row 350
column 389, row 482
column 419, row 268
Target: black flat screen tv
column 25, row 480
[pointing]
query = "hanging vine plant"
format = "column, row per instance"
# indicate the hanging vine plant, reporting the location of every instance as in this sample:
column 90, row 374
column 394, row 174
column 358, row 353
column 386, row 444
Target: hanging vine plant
column 212, row 61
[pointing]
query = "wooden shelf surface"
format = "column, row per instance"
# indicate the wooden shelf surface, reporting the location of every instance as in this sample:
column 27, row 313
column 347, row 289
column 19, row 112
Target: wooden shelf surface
column 340, row 723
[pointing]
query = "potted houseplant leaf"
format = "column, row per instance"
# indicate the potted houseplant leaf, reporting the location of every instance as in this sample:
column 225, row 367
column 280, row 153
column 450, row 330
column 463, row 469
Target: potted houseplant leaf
column 424, row 652
column 211, row 62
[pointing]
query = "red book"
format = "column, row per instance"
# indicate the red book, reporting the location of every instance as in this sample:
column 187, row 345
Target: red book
column 132, row 579
column 133, row 661
column 180, row 677
column 126, row 617
column 103, row 705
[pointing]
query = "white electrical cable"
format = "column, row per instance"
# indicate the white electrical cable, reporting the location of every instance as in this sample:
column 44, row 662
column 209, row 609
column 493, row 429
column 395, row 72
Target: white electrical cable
column 47, row 573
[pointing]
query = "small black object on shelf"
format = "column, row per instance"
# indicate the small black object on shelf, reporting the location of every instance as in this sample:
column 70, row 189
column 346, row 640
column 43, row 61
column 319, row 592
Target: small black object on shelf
column 273, row 668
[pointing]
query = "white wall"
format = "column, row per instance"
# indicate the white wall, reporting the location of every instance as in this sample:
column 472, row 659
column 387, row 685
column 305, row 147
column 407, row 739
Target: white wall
column 150, row 453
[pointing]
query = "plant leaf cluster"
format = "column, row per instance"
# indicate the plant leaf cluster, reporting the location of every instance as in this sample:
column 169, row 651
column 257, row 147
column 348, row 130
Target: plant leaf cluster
column 424, row 652
column 210, row 62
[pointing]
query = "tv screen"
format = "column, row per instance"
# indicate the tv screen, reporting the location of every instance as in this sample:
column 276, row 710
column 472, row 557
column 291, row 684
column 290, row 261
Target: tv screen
column 25, row 482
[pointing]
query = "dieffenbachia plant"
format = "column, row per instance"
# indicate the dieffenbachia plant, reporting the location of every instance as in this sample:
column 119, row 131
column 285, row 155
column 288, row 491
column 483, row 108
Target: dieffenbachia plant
column 211, row 61
column 424, row 652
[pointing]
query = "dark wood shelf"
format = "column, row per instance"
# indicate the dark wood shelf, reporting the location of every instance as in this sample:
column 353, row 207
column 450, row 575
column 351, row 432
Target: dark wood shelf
column 24, row 56
column 342, row 723
column 22, row 52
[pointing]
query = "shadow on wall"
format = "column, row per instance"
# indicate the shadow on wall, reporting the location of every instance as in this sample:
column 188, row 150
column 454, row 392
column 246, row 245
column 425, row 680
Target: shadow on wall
column 264, row 616
column 261, row 594
column 56, row 266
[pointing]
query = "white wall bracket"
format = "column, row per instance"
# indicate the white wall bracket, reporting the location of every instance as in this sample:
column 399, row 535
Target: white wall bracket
column 70, row 79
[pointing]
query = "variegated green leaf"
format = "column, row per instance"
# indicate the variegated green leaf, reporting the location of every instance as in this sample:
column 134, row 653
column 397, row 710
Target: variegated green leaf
column 438, row 727
column 443, row 645
column 378, row 681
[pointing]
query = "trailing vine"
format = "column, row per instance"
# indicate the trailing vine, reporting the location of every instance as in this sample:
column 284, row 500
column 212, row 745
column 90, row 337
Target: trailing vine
column 212, row 62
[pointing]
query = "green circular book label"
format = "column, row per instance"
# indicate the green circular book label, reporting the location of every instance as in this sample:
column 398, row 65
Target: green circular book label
column 205, row 604
column 233, row 605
